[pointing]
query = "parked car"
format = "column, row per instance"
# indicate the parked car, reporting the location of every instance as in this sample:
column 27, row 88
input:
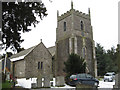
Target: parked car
column 110, row 76
column 83, row 78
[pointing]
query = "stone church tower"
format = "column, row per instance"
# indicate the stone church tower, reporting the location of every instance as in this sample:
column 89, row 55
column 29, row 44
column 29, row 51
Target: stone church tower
column 74, row 35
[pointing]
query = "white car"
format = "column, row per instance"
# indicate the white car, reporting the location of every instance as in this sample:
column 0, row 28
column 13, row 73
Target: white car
column 110, row 76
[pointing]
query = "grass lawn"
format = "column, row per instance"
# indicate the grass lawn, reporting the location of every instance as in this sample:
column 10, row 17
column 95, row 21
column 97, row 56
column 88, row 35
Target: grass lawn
column 6, row 84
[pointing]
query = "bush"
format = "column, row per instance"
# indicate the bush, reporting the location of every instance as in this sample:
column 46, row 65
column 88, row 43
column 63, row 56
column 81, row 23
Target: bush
column 75, row 64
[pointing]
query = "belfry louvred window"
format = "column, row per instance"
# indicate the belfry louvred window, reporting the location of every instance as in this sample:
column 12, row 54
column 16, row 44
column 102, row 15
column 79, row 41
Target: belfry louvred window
column 64, row 26
column 81, row 23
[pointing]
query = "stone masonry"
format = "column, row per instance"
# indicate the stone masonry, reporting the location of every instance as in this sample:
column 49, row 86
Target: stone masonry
column 35, row 62
column 74, row 35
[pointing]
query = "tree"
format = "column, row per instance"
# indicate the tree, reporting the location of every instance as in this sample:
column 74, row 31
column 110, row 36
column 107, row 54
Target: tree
column 112, row 61
column 106, row 60
column 101, row 61
column 75, row 64
column 9, row 54
column 16, row 18
column 109, row 66
column 118, row 58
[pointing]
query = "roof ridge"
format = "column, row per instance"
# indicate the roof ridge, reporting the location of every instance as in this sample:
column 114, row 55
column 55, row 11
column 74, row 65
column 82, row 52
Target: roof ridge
column 21, row 53
column 25, row 52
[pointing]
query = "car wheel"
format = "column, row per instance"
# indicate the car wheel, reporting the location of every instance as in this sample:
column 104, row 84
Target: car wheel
column 105, row 80
column 96, row 84
column 78, row 82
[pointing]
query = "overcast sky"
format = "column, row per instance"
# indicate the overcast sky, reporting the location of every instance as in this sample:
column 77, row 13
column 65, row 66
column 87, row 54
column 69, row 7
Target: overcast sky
column 104, row 19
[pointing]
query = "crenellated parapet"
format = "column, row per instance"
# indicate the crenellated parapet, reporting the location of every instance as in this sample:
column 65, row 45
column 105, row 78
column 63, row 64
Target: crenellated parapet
column 68, row 13
column 81, row 14
column 73, row 11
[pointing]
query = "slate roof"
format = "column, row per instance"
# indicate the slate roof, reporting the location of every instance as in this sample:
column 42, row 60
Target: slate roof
column 23, row 53
column 52, row 50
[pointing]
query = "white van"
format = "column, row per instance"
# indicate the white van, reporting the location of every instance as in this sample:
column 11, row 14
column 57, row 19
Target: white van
column 110, row 76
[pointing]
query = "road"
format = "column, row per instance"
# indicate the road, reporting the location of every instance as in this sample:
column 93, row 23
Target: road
column 105, row 85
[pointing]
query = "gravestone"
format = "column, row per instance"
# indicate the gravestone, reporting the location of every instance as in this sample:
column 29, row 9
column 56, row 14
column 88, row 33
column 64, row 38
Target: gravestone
column 39, row 82
column 60, row 81
column 34, row 85
column 116, row 81
column 46, row 81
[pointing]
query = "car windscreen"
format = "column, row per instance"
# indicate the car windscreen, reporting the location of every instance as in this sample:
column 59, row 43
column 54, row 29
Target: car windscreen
column 81, row 76
column 89, row 76
column 108, row 74
column 72, row 76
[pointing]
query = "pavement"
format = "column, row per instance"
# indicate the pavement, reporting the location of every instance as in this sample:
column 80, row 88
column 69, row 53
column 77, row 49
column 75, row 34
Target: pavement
column 102, row 86
column 106, row 85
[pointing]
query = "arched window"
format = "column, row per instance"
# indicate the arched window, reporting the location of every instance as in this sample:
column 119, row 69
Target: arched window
column 64, row 26
column 40, row 65
column 81, row 24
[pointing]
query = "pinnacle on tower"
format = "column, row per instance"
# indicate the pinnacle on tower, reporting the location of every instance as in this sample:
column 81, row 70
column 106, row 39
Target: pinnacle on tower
column 57, row 13
column 71, row 4
column 89, row 11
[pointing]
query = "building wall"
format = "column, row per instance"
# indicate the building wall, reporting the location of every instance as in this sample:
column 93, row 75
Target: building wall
column 62, row 55
column 86, row 23
column 90, row 59
column 79, row 45
column 19, row 68
column 60, row 33
column 39, row 54
column 63, row 45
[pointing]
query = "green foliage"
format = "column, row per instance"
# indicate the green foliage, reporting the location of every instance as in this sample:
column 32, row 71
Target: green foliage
column 100, row 56
column 118, row 57
column 9, row 54
column 16, row 18
column 6, row 85
column 74, row 64
column 106, row 60
column 111, row 64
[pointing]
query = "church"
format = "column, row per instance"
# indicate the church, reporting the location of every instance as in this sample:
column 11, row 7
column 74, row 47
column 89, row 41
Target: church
column 74, row 34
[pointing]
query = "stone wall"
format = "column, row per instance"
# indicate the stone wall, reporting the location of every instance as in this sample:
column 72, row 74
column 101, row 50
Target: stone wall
column 60, row 33
column 39, row 54
column 90, row 61
column 62, row 55
column 73, row 20
column 79, row 45
column 86, row 23
column 19, row 69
